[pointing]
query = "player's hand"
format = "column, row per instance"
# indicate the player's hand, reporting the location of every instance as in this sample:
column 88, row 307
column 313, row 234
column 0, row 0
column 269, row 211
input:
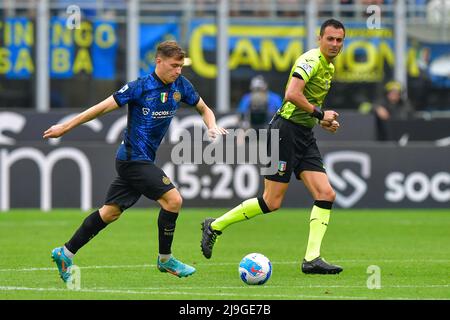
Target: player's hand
column 330, row 115
column 331, row 126
column 55, row 131
column 216, row 131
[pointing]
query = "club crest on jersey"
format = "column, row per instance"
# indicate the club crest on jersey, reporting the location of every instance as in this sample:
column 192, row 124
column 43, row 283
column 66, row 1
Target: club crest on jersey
column 281, row 167
column 164, row 97
column 177, row 96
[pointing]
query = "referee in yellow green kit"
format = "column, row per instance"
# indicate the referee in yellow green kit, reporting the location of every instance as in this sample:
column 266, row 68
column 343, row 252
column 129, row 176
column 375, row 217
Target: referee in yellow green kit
column 307, row 87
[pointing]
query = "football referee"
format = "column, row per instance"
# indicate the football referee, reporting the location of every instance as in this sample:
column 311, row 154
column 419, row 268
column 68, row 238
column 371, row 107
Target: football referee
column 307, row 86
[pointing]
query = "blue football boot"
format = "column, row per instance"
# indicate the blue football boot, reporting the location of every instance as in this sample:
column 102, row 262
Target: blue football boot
column 63, row 263
column 175, row 267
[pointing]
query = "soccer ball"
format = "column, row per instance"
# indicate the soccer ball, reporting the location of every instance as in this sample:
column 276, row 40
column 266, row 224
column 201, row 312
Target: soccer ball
column 255, row 268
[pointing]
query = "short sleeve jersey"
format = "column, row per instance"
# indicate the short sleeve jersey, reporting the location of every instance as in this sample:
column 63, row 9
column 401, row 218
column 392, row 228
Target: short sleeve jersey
column 151, row 107
column 314, row 69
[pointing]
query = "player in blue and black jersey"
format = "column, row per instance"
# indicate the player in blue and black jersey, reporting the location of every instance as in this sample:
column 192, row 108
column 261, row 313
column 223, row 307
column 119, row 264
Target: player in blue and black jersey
column 152, row 102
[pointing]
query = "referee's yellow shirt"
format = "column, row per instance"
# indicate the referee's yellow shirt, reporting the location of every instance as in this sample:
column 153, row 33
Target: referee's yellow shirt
column 317, row 73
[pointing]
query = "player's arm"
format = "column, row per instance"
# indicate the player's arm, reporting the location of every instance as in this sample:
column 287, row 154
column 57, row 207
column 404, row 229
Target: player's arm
column 107, row 105
column 294, row 94
column 209, row 119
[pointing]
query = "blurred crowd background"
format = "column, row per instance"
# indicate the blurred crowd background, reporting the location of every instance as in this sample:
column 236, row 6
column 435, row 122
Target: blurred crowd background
column 91, row 60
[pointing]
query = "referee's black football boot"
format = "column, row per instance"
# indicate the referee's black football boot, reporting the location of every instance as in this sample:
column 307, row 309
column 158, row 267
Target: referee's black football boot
column 209, row 237
column 319, row 266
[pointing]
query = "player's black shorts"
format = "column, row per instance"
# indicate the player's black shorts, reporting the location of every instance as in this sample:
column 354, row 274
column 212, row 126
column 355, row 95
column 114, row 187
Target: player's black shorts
column 136, row 178
column 298, row 150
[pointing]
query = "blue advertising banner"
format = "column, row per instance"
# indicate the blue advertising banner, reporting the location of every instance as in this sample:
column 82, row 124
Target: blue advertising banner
column 90, row 49
column 262, row 47
column 368, row 54
column 104, row 50
column 150, row 36
column 437, row 65
column 16, row 60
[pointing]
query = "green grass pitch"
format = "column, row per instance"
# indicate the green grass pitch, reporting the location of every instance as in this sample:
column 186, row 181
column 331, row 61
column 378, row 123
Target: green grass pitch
column 410, row 247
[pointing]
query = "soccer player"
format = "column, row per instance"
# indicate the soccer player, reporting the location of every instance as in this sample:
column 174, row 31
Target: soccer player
column 152, row 102
column 307, row 86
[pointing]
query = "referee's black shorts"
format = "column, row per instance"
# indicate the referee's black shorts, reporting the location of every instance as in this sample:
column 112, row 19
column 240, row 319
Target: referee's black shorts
column 298, row 150
column 136, row 178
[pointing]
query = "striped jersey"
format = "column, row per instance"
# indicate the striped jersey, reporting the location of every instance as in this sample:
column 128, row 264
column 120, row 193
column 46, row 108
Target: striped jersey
column 151, row 107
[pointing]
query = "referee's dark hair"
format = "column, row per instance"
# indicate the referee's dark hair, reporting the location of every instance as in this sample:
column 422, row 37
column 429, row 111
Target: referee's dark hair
column 331, row 22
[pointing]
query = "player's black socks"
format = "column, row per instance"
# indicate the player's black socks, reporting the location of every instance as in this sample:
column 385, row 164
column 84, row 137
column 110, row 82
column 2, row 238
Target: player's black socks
column 92, row 225
column 166, row 228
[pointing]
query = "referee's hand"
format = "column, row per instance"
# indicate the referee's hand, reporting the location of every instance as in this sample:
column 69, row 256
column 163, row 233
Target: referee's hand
column 330, row 115
column 330, row 126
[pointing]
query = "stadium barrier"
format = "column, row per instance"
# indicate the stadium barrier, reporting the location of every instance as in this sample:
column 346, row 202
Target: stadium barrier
column 75, row 171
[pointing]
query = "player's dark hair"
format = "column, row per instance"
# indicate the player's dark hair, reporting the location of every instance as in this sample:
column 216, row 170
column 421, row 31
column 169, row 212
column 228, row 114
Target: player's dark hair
column 333, row 23
column 170, row 49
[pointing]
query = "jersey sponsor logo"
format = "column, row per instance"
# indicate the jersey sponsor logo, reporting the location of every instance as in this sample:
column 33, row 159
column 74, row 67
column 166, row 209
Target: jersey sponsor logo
column 163, row 114
column 164, row 97
column 145, row 111
column 306, row 67
column 123, row 89
column 177, row 96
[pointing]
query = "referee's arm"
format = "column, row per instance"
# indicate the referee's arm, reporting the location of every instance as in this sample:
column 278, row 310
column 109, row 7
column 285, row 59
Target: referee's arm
column 294, row 94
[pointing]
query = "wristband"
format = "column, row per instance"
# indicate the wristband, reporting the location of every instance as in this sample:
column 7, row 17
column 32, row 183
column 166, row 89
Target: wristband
column 317, row 113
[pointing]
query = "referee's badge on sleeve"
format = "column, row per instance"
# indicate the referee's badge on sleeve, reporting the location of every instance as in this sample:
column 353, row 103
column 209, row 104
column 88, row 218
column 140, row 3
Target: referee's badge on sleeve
column 306, row 67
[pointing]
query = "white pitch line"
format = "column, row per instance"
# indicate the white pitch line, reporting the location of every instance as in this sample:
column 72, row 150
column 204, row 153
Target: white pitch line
column 135, row 266
column 160, row 293
column 299, row 287
column 374, row 261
